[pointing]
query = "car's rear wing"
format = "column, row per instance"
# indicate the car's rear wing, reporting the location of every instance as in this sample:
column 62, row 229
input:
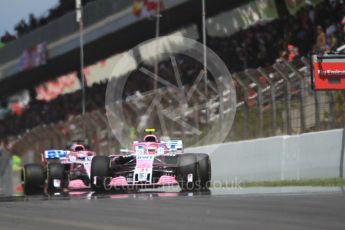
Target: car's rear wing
column 56, row 154
column 174, row 145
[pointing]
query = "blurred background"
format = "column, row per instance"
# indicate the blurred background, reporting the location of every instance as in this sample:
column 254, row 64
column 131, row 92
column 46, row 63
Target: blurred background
column 265, row 44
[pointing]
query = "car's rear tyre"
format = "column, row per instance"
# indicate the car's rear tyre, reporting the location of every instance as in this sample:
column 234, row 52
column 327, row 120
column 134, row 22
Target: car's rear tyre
column 33, row 179
column 100, row 173
column 188, row 176
column 204, row 170
column 56, row 173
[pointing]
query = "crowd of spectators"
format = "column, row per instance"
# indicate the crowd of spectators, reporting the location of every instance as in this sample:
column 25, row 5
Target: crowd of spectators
column 312, row 29
column 316, row 29
column 23, row 27
column 62, row 108
column 7, row 37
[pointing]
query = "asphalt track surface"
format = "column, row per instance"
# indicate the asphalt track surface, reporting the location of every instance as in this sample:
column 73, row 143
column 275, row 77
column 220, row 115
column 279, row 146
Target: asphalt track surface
column 289, row 209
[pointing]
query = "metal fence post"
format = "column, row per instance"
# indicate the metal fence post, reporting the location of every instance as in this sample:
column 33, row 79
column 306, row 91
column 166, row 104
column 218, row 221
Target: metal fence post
column 316, row 97
column 245, row 105
column 259, row 101
column 331, row 119
column 287, row 98
column 317, row 110
column 273, row 99
column 302, row 93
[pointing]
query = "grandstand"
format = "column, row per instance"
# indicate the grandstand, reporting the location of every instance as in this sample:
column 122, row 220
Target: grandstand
column 266, row 55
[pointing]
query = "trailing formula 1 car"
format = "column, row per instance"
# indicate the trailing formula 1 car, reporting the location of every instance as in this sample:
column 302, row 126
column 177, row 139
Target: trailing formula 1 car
column 152, row 163
column 60, row 170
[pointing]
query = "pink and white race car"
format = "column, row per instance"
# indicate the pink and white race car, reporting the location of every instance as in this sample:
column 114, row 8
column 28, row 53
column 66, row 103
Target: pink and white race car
column 61, row 170
column 152, row 163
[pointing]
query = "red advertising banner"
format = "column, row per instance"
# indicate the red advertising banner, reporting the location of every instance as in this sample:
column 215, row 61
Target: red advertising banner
column 54, row 88
column 328, row 72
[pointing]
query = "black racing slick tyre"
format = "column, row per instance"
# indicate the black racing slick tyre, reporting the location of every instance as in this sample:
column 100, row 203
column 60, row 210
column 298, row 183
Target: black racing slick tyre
column 100, row 172
column 33, row 179
column 204, row 170
column 188, row 172
column 56, row 173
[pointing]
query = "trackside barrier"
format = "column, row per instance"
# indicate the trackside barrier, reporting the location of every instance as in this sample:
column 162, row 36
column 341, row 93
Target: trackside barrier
column 5, row 173
column 306, row 156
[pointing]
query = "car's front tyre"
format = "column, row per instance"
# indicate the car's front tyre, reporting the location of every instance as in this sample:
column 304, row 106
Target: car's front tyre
column 188, row 176
column 100, row 172
column 33, row 180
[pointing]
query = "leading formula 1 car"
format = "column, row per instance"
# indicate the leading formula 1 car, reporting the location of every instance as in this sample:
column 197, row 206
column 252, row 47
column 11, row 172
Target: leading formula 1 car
column 152, row 163
column 60, row 170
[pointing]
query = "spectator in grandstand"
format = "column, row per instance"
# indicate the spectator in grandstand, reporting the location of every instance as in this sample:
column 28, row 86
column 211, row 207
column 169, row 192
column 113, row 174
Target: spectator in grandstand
column 332, row 43
column 21, row 28
column 320, row 43
column 293, row 52
column 42, row 21
column 4, row 111
column 304, row 18
column 283, row 56
column 334, row 4
column 311, row 14
column 32, row 22
column 7, row 37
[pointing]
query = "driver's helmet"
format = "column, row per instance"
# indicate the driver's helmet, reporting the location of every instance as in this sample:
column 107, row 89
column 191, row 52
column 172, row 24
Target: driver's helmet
column 77, row 147
column 150, row 138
